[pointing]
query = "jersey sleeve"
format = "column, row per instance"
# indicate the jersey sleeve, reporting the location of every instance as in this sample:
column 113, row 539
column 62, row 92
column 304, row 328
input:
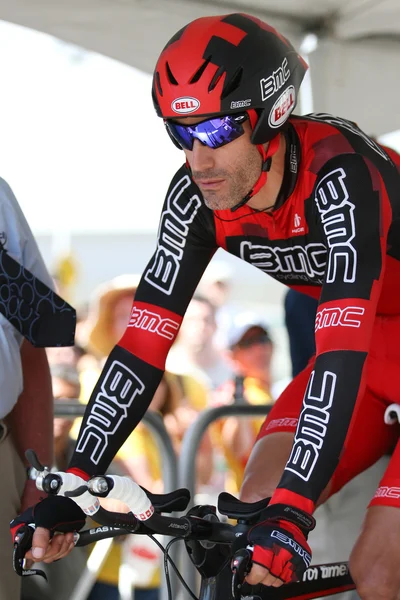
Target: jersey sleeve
column 353, row 210
column 134, row 368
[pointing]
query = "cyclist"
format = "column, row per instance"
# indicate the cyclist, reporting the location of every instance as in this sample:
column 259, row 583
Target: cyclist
column 314, row 202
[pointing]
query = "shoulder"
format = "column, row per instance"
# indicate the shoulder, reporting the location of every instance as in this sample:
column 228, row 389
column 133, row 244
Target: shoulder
column 14, row 229
column 8, row 203
column 324, row 136
column 17, row 237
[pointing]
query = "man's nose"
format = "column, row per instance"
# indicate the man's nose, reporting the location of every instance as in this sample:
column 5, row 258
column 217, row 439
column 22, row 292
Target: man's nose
column 202, row 157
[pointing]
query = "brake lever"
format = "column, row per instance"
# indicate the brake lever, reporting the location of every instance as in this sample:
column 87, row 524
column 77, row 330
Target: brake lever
column 23, row 543
column 240, row 566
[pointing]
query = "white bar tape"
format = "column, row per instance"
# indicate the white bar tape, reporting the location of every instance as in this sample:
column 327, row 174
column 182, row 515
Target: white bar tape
column 88, row 503
column 132, row 495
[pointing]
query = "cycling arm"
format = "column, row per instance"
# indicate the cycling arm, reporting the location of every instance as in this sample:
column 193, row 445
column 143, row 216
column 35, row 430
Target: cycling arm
column 186, row 243
column 354, row 211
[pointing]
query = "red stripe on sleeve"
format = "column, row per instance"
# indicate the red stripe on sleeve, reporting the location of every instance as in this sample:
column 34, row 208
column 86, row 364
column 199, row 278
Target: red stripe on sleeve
column 150, row 333
column 344, row 325
column 79, row 473
column 282, row 496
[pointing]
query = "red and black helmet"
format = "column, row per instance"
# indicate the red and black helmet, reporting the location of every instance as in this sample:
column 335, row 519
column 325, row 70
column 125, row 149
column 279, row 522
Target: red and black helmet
column 229, row 64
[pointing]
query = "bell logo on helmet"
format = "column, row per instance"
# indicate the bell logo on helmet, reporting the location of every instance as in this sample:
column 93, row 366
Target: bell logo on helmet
column 282, row 107
column 183, row 106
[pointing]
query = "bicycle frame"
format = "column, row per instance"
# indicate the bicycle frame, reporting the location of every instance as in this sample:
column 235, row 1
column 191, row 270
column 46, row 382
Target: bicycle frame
column 318, row 581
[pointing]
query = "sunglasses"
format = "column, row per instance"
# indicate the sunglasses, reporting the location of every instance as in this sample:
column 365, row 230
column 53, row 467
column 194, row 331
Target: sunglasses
column 214, row 133
column 252, row 340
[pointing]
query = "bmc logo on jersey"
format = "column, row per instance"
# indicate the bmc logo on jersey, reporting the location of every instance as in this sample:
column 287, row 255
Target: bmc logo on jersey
column 338, row 221
column 180, row 210
column 119, row 387
column 335, row 317
column 388, row 492
column 183, row 106
column 282, row 107
column 313, row 424
column 150, row 321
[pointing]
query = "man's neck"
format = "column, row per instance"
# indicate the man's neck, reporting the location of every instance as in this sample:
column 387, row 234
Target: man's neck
column 267, row 196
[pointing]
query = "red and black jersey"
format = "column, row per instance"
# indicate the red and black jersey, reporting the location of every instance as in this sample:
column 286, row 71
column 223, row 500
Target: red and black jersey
column 334, row 234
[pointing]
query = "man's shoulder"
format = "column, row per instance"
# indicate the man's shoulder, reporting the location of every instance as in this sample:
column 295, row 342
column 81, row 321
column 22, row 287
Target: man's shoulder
column 325, row 138
column 7, row 197
column 14, row 230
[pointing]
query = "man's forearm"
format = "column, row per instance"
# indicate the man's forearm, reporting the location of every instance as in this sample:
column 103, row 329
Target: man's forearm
column 31, row 420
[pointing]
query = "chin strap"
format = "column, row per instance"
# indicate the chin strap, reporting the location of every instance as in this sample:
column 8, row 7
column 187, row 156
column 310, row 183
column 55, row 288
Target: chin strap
column 266, row 156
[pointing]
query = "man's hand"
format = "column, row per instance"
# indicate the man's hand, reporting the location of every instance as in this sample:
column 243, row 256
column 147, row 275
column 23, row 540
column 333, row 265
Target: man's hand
column 55, row 519
column 48, row 550
column 281, row 553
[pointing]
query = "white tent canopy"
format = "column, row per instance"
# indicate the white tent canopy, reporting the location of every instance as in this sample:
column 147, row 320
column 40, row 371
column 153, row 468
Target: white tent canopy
column 354, row 69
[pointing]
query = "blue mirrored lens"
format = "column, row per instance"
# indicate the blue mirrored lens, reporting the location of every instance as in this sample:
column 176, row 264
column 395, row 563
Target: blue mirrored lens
column 213, row 133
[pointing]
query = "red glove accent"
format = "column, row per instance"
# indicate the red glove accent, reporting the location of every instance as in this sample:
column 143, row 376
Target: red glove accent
column 281, row 547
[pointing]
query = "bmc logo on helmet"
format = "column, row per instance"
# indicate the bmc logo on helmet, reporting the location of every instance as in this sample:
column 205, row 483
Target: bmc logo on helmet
column 282, row 107
column 185, row 105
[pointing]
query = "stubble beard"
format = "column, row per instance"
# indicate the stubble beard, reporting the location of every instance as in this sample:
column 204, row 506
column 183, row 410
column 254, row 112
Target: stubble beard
column 237, row 190
column 240, row 183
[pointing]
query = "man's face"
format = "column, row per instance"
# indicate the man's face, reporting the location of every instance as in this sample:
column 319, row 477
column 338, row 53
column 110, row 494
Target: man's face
column 253, row 354
column 224, row 175
column 198, row 326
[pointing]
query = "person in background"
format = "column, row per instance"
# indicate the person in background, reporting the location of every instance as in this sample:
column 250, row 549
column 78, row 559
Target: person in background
column 26, row 399
column 250, row 351
column 195, row 353
column 61, row 577
column 107, row 316
column 216, row 286
column 109, row 312
column 300, row 311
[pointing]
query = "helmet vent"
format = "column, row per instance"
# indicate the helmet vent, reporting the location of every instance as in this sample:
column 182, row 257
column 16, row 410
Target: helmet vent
column 200, row 70
column 158, row 83
column 233, row 83
column 217, row 76
column 170, row 75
